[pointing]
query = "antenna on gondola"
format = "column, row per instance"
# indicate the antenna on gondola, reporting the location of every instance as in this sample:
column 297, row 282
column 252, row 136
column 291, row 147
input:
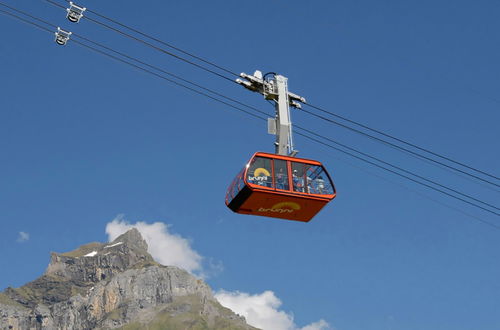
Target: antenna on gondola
column 275, row 87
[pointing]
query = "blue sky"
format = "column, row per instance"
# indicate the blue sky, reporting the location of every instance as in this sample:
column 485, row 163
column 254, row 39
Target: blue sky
column 84, row 139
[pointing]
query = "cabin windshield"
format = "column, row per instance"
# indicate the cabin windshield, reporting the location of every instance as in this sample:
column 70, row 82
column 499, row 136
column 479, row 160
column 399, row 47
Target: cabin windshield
column 311, row 179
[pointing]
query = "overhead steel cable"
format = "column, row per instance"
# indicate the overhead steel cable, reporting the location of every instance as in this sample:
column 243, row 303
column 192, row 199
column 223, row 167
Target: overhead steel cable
column 170, row 74
column 135, row 66
column 150, row 45
column 259, row 117
column 28, row 15
column 164, row 78
column 264, row 113
column 399, row 147
column 256, row 116
column 138, row 61
column 402, row 141
column 262, row 118
column 161, row 41
column 401, row 169
column 313, row 106
column 401, row 175
column 304, row 129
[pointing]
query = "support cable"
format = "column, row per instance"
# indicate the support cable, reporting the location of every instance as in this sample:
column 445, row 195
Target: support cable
column 401, row 175
column 150, row 45
column 402, row 141
column 304, row 129
column 400, row 169
column 311, row 105
column 399, row 147
column 161, row 42
column 262, row 118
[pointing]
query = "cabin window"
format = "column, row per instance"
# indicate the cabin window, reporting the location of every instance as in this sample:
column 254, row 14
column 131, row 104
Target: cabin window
column 298, row 176
column 311, row 179
column 260, row 172
column 318, row 181
column 281, row 174
column 235, row 186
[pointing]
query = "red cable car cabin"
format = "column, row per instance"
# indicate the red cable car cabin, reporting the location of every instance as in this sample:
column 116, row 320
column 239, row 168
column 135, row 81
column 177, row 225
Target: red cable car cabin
column 280, row 187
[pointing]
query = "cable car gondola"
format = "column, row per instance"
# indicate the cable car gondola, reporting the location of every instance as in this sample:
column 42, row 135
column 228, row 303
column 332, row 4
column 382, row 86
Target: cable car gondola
column 280, row 186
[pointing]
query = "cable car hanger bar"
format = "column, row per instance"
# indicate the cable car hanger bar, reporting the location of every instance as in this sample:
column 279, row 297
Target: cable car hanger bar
column 275, row 88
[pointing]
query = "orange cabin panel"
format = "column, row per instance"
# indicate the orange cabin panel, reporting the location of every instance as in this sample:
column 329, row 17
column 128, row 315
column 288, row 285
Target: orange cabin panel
column 281, row 187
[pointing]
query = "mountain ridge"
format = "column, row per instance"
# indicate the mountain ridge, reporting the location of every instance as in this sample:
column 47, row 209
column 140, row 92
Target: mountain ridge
column 115, row 285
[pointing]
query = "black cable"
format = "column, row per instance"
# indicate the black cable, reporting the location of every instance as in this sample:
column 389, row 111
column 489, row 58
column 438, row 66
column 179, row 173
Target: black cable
column 170, row 74
column 401, row 175
column 256, row 116
column 259, row 117
column 30, row 16
column 161, row 42
column 150, row 45
column 313, row 106
column 399, row 147
column 400, row 169
column 402, row 185
column 164, row 78
column 402, row 141
column 309, row 131
column 138, row 61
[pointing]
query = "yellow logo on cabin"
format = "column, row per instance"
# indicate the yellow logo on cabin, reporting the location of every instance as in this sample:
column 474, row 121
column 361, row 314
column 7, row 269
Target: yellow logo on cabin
column 283, row 207
column 261, row 171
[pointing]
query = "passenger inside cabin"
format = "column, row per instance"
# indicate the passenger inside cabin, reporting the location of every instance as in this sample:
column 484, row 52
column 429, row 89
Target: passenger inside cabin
column 320, row 184
column 280, row 179
column 298, row 182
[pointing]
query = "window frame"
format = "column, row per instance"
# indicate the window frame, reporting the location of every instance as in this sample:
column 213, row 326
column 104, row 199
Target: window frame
column 289, row 162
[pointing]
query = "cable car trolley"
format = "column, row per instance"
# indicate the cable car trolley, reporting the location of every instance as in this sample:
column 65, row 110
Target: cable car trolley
column 62, row 36
column 74, row 12
column 279, row 185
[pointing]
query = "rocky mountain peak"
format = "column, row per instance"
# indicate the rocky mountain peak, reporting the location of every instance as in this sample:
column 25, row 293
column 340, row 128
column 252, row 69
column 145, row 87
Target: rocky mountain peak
column 114, row 285
column 133, row 239
column 93, row 262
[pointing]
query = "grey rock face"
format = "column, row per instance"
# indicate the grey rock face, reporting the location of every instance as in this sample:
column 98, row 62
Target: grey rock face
column 105, row 286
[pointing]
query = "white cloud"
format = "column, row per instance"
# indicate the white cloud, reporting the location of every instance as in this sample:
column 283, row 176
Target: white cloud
column 320, row 325
column 262, row 311
column 23, row 237
column 166, row 248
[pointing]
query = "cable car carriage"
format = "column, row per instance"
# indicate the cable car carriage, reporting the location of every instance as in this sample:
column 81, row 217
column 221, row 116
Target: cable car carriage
column 279, row 185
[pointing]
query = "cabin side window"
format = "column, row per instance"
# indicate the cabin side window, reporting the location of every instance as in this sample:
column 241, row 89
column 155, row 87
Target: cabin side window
column 298, row 177
column 281, row 174
column 235, row 187
column 260, row 172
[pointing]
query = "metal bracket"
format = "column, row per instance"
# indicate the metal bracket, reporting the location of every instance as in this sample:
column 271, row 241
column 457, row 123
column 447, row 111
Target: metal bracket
column 74, row 12
column 276, row 88
column 62, row 36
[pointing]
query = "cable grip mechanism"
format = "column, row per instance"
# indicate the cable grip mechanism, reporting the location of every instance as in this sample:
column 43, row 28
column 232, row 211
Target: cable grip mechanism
column 74, row 12
column 62, row 36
